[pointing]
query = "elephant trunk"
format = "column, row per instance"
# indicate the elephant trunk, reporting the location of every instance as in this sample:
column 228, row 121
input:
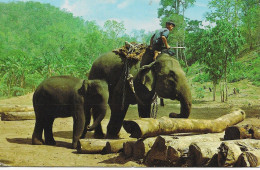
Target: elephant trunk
column 185, row 107
column 186, row 102
column 98, row 120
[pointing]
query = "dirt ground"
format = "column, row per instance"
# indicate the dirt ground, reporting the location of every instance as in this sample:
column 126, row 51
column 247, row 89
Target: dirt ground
column 15, row 138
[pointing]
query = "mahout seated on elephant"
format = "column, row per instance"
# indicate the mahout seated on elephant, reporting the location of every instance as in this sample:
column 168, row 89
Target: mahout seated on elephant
column 163, row 77
column 66, row 96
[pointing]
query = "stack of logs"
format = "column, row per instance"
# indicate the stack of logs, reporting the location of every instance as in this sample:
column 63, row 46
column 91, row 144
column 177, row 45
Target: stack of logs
column 16, row 113
column 185, row 142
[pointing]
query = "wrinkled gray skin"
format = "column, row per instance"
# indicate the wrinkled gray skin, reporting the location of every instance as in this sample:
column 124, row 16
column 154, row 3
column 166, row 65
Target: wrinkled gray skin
column 65, row 96
column 164, row 76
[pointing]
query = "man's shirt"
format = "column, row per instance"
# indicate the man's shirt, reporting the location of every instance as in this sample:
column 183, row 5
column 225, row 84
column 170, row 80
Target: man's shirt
column 157, row 39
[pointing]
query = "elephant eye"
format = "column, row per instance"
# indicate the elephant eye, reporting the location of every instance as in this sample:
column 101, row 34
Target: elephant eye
column 171, row 74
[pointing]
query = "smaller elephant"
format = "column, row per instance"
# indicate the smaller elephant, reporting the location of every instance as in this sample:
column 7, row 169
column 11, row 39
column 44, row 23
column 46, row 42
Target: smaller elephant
column 66, row 96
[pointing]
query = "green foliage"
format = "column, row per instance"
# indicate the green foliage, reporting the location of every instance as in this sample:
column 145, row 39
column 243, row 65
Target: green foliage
column 39, row 40
column 218, row 46
column 200, row 93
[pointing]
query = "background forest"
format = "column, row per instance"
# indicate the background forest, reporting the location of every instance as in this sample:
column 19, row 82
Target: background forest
column 39, row 40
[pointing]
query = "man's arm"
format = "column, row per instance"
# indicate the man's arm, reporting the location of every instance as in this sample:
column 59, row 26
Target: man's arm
column 164, row 39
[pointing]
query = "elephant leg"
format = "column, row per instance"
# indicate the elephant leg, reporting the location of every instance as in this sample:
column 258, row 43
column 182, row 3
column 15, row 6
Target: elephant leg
column 98, row 130
column 87, row 121
column 78, row 126
column 144, row 110
column 116, row 121
column 48, row 122
column 37, row 133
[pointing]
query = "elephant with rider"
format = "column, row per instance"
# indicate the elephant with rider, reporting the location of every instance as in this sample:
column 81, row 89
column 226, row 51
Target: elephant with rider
column 163, row 77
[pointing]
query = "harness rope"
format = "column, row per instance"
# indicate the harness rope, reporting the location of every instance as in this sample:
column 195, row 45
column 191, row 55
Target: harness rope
column 154, row 112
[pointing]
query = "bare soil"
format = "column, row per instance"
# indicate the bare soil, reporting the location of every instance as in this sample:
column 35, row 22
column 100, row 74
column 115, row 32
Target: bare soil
column 15, row 138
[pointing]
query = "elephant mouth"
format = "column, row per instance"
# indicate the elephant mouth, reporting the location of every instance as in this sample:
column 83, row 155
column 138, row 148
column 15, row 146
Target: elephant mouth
column 166, row 93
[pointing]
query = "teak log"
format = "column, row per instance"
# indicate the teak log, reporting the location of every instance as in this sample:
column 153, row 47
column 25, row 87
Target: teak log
column 255, row 131
column 202, row 153
column 170, row 149
column 142, row 146
column 6, row 108
column 229, row 151
column 237, row 132
column 15, row 116
column 149, row 127
column 249, row 159
column 103, row 146
column 115, row 145
column 228, row 154
column 128, row 148
column 86, row 146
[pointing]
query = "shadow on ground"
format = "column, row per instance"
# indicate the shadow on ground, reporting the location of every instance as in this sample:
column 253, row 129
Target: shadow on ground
column 69, row 134
column 28, row 141
column 120, row 159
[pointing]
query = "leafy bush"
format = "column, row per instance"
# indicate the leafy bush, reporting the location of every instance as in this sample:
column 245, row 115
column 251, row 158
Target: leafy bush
column 200, row 93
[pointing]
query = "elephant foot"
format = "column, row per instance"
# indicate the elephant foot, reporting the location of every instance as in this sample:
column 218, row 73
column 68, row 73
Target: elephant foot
column 74, row 145
column 174, row 115
column 83, row 136
column 36, row 141
column 50, row 142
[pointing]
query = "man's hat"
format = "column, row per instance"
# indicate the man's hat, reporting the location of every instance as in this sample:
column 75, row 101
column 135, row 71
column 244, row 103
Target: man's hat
column 170, row 23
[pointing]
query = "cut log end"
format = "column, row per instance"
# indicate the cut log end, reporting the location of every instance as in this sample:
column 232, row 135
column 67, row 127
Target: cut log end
column 133, row 128
column 128, row 148
column 249, row 159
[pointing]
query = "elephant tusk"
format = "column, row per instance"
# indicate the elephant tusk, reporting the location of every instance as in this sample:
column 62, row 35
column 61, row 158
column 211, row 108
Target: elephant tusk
column 131, row 84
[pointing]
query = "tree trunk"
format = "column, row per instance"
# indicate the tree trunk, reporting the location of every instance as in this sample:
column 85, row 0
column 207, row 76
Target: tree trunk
column 229, row 151
column 214, row 90
column 171, row 149
column 15, row 116
column 103, row 146
column 177, row 51
column 142, row 146
column 116, row 145
column 128, row 148
column 16, row 108
column 249, row 159
column 228, row 154
column 86, row 146
column 255, row 131
column 237, row 132
column 202, row 153
column 226, row 88
column 149, row 127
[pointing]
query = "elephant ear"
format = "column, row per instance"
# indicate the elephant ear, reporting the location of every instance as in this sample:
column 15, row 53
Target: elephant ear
column 145, row 75
column 82, row 89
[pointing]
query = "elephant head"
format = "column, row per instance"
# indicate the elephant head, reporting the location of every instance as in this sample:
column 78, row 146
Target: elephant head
column 95, row 93
column 169, row 82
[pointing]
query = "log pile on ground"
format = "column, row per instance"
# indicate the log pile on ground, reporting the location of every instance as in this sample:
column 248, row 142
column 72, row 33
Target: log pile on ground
column 182, row 148
column 188, row 143
column 16, row 113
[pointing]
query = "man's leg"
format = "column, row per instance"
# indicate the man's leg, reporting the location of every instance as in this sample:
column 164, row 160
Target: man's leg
column 155, row 54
